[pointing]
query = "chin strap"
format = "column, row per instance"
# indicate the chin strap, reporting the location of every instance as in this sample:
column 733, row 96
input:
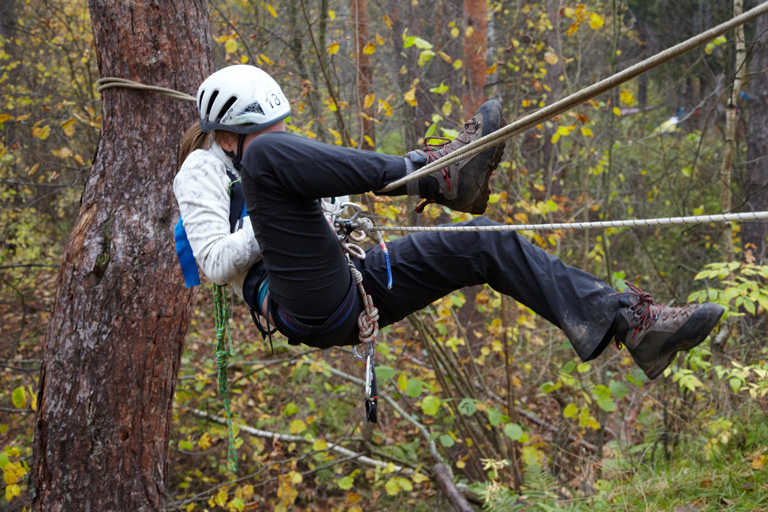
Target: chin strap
column 237, row 157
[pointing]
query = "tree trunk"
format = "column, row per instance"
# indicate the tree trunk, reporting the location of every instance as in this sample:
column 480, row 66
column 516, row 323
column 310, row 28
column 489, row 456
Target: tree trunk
column 364, row 73
column 475, row 54
column 115, row 339
column 7, row 18
column 753, row 234
column 731, row 121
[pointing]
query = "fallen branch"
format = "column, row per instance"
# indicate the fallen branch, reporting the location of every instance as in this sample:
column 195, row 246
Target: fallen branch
column 300, row 439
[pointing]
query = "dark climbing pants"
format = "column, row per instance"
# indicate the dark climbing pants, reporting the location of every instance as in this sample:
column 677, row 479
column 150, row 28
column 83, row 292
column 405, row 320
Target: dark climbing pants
column 310, row 282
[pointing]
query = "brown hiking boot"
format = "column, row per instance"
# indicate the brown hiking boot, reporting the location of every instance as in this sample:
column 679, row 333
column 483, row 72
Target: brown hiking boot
column 654, row 334
column 463, row 185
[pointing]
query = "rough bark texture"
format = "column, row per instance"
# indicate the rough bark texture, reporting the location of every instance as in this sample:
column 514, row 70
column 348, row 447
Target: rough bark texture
column 115, row 340
column 359, row 13
column 475, row 54
column 753, row 234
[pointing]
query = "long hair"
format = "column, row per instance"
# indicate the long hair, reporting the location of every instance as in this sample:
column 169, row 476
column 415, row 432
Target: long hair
column 194, row 138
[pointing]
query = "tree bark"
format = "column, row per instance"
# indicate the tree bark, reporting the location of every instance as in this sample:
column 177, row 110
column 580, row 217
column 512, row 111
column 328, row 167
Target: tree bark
column 114, row 343
column 731, row 120
column 755, row 186
column 364, row 72
column 475, row 54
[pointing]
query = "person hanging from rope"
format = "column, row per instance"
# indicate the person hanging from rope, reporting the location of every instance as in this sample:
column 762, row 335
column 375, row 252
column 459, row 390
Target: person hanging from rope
column 289, row 267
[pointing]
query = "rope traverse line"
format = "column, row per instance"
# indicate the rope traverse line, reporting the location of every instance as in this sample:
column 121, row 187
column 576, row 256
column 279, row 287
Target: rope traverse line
column 664, row 221
column 577, row 98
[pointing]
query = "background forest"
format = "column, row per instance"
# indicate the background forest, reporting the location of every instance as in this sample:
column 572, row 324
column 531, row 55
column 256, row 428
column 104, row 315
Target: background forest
column 475, row 382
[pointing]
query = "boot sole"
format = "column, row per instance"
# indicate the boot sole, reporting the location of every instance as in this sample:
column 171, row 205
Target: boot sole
column 682, row 335
column 481, row 202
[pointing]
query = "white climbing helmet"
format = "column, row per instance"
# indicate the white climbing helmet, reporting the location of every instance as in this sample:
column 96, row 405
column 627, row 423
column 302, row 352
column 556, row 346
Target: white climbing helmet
column 240, row 99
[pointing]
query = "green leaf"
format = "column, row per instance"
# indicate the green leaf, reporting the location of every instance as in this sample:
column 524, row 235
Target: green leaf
column 291, row 408
column 430, row 405
column 467, row 407
column 446, row 440
column 425, row 56
column 618, row 389
column 384, row 373
column 494, row 417
column 442, row 88
column 414, row 388
column 570, row 411
column 569, row 367
column 606, row 404
column 513, row 431
column 19, row 398
column 421, row 44
column 346, row 483
column 237, row 503
column 409, row 41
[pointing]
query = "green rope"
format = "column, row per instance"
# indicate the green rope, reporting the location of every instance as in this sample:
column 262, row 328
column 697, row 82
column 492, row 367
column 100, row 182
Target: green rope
column 222, row 314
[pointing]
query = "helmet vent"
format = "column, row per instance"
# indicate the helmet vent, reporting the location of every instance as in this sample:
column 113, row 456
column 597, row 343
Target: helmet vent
column 210, row 104
column 226, row 107
column 254, row 107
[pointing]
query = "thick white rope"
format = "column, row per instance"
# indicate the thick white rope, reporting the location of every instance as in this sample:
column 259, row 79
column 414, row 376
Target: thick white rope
column 577, row 98
column 665, row 221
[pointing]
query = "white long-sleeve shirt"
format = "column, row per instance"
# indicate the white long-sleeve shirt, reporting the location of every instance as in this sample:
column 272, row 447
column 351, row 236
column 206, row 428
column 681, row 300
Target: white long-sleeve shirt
column 202, row 191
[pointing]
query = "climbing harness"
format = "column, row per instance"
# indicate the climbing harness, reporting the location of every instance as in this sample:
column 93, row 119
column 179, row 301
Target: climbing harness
column 350, row 231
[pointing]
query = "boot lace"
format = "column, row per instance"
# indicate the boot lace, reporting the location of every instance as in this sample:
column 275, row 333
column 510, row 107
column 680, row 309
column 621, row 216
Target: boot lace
column 647, row 312
column 438, row 147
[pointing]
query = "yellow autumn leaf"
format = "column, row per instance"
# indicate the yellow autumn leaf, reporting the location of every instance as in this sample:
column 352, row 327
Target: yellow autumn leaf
column 460, row 464
column 5, row 117
column 759, row 462
column 616, row 111
column 369, row 140
column 244, row 59
column 368, row 101
column 418, row 478
column 627, row 96
column 266, row 59
column 67, row 126
column 551, row 58
column 222, row 39
column 491, row 70
column 595, row 21
column 271, row 11
column 379, row 40
column 230, row 46
column 587, row 132
column 457, row 64
column 79, row 159
column 369, row 49
column 41, row 132
column 333, row 48
column 410, row 97
column 447, row 58
column 298, row 426
column 526, row 103
column 469, row 31
column 332, row 15
column 447, row 108
column 33, row 170
column 572, row 29
column 64, row 153
column 454, row 32
column 205, row 441
column 388, row 21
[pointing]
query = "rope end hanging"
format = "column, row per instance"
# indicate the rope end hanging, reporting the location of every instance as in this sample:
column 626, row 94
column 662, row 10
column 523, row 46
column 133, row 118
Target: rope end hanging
column 222, row 314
